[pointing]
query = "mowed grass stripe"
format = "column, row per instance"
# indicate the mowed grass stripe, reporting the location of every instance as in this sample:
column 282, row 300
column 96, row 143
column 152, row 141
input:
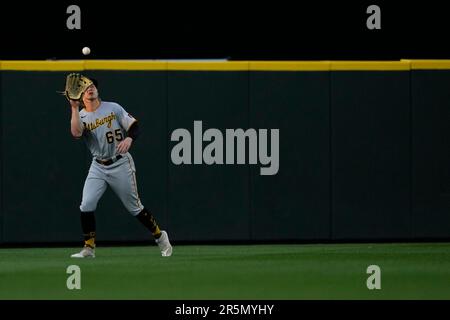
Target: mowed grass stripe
column 290, row 272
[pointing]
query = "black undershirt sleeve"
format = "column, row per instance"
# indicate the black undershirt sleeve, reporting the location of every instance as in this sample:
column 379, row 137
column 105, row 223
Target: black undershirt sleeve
column 133, row 131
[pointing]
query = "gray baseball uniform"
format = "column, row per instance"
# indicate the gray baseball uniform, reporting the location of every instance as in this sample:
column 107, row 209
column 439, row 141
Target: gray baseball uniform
column 104, row 128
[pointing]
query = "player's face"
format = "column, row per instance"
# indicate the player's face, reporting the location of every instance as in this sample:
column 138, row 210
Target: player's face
column 91, row 92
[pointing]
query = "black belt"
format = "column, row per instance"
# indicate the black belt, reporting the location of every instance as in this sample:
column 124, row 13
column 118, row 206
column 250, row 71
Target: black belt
column 109, row 161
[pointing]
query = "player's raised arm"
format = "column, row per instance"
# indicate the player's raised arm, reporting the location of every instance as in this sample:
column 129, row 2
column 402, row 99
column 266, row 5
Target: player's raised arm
column 75, row 86
column 76, row 127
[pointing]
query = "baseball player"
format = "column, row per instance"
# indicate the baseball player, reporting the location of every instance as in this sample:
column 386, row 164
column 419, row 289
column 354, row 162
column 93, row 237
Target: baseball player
column 109, row 132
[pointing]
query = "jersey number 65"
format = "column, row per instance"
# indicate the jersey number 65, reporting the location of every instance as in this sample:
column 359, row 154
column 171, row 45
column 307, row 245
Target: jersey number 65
column 110, row 136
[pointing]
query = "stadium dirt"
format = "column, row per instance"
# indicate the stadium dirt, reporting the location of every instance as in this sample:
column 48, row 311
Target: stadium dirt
column 288, row 272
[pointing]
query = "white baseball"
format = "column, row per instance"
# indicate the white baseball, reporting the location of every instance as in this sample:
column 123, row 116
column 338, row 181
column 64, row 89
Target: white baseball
column 86, row 51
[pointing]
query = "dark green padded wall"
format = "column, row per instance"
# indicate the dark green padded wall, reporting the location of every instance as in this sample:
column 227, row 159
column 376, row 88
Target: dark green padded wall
column 294, row 203
column 363, row 155
column 45, row 168
column 431, row 153
column 370, row 138
column 42, row 164
column 208, row 202
column 1, row 159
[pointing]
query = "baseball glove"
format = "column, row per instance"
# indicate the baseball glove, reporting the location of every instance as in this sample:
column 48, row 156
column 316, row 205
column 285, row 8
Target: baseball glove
column 76, row 85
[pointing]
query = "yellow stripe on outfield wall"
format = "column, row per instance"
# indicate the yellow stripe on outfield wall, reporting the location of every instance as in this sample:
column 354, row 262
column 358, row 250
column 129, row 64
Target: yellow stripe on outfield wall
column 370, row 66
column 124, row 65
column 429, row 64
column 20, row 65
column 289, row 65
column 208, row 66
column 80, row 65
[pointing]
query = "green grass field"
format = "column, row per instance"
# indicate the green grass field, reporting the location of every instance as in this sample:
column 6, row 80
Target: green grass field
column 291, row 272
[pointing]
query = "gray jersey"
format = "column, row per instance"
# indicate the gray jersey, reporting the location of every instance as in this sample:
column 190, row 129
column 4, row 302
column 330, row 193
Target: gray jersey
column 105, row 128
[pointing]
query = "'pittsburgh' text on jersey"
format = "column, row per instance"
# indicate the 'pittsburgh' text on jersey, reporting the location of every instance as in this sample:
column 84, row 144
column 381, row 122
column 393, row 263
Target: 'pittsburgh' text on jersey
column 104, row 128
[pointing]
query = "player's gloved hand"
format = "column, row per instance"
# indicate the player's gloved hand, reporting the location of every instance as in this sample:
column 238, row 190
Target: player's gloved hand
column 124, row 145
column 76, row 85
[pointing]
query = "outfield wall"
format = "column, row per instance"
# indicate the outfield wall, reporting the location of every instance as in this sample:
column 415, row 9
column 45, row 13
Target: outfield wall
column 364, row 150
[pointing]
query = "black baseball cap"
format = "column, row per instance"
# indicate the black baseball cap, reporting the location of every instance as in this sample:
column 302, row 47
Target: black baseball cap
column 94, row 81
